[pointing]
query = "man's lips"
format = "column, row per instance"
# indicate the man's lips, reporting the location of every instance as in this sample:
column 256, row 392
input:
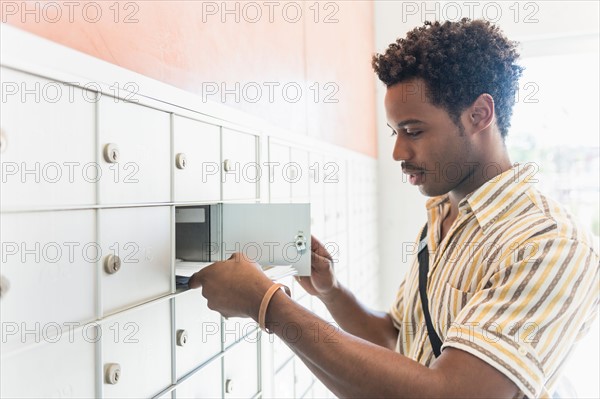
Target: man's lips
column 415, row 177
column 412, row 171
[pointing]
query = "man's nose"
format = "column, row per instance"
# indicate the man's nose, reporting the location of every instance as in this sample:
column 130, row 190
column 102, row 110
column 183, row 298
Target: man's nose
column 402, row 151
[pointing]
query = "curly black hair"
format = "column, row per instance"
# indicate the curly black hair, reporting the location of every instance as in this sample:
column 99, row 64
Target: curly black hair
column 458, row 61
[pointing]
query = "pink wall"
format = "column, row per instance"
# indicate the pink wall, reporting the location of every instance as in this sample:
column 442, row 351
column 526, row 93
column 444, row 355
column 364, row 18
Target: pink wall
column 325, row 51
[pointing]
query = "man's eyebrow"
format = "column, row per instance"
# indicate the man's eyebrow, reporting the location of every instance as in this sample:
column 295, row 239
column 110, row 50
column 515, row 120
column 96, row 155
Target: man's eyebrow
column 403, row 123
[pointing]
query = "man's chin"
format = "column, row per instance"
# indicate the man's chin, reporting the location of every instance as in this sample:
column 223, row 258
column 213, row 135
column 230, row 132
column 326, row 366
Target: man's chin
column 429, row 191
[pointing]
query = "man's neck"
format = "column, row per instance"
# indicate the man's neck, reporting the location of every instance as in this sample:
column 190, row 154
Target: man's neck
column 479, row 176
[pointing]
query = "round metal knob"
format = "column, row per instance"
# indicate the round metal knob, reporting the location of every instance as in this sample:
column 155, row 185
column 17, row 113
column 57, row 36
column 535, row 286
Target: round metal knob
column 112, row 373
column 4, row 286
column 180, row 161
column 227, row 165
column 111, row 153
column 228, row 386
column 3, row 142
column 182, row 337
column 112, row 264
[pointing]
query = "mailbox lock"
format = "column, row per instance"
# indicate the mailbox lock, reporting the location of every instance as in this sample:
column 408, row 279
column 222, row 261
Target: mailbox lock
column 4, row 286
column 227, row 165
column 180, row 161
column 3, row 142
column 112, row 373
column 300, row 242
column 111, row 153
column 112, row 264
column 182, row 337
column 228, row 386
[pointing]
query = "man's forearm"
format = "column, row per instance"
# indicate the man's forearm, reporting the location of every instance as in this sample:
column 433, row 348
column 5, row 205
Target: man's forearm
column 347, row 365
column 316, row 370
column 358, row 320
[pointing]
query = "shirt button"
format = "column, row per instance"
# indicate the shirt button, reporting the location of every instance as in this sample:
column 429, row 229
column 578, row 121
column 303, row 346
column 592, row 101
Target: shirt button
column 523, row 350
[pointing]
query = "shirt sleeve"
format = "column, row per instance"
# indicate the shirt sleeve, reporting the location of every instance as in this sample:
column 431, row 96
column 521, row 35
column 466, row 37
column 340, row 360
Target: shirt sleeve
column 530, row 311
column 397, row 307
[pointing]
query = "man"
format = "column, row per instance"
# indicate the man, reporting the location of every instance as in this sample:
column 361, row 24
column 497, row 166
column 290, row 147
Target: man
column 512, row 281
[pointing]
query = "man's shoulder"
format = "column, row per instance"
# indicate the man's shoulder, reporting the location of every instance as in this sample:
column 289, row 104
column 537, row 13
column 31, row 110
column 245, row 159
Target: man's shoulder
column 560, row 221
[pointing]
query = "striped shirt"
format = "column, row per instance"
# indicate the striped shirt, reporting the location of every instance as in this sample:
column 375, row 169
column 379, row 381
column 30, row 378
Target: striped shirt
column 514, row 282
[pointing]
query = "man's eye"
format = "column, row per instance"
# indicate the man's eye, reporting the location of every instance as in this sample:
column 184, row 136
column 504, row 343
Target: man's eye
column 408, row 132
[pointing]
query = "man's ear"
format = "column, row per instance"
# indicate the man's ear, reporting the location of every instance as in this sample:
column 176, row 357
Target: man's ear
column 480, row 114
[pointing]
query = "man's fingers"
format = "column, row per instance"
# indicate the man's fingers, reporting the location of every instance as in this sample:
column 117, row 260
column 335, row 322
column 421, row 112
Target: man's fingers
column 195, row 281
column 314, row 242
column 237, row 257
column 319, row 248
column 197, row 278
column 316, row 245
column 319, row 262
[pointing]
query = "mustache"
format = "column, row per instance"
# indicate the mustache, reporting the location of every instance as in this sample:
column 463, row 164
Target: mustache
column 412, row 167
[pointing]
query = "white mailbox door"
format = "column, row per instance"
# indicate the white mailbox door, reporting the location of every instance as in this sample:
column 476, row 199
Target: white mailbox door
column 49, row 266
column 139, row 237
column 136, row 347
column 270, row 234
column 196, row 159
column 134, row 147
column 46, row 143
column 240, row 170
column 58, row 367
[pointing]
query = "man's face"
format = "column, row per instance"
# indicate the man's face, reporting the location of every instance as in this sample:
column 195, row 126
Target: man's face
column 434, row 151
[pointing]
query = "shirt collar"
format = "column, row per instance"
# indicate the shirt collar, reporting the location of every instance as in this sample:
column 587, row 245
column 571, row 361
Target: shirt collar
column 494, row 197
column 490, row 201
column 433, row 202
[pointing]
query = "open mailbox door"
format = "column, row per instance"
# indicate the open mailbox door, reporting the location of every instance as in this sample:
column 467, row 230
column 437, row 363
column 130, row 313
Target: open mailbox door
column 270, row 234
column 273, row 235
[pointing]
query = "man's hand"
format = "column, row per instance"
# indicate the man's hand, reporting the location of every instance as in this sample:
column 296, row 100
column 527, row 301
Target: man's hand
column 322, row 281
column 234, row 287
